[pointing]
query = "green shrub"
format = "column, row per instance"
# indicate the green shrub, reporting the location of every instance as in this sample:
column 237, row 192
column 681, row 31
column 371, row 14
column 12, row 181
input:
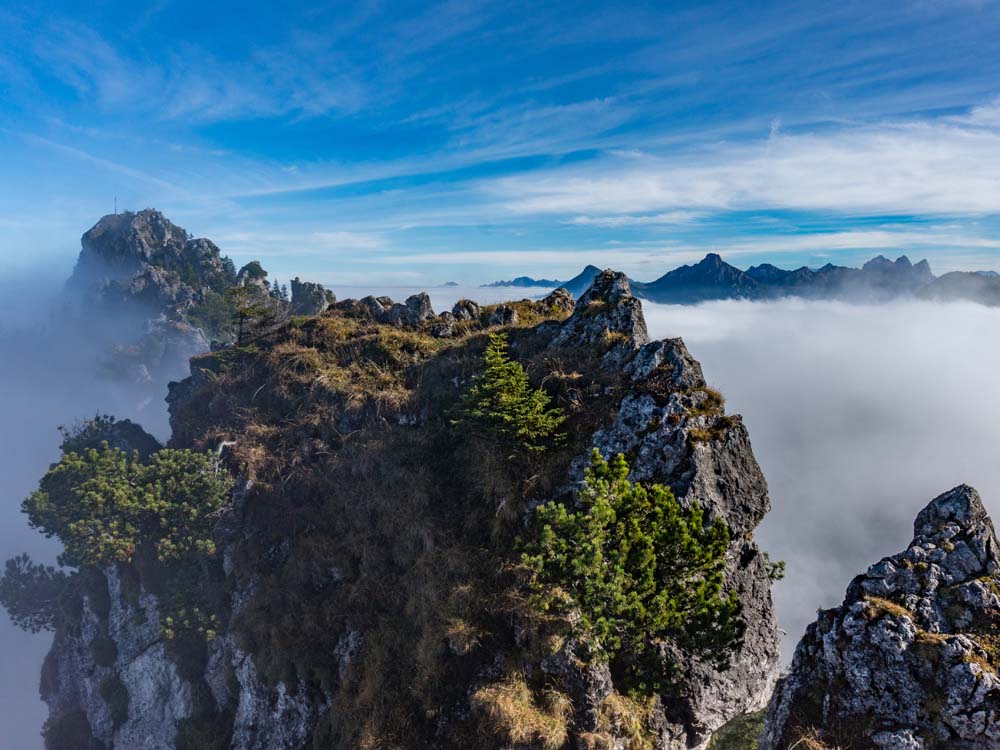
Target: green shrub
column 104, row 503
column 32, row 594
column 213, row 314
column 740, row 733
column 775, row 569
column 503, row 401
column 637, row 570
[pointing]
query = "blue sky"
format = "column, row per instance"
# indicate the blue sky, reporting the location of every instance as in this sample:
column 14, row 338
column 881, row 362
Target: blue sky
column 415, row 143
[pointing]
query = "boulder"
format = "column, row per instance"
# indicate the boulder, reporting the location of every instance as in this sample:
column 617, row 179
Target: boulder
column 559, row 301
column 607, row 315
column 465, row 309
column 309, row 298
column 444, row 328
column 503, row 315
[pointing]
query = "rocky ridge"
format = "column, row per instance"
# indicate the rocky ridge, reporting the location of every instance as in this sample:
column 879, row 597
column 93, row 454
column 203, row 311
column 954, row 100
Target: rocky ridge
column 136, row 279
column 909, row 660
column 647, row 399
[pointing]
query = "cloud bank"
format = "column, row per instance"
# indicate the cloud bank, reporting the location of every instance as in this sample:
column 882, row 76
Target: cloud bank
column 859, row 416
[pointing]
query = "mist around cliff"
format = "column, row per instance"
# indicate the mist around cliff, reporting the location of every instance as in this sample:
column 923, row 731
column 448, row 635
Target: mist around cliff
column 48, row 377
column 858, row 415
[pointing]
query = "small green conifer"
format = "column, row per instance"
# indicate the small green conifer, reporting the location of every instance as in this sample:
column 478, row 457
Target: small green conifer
column 503, row 401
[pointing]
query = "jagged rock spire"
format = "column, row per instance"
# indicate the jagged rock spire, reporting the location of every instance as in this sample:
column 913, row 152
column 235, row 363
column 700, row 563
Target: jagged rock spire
column 909, row 660
column 607, row 313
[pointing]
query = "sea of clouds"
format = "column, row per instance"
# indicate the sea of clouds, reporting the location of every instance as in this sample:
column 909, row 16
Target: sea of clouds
column 858, row 415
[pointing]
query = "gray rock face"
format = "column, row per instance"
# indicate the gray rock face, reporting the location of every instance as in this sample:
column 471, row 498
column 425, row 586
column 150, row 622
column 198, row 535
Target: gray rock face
column 607, row 315
column 137, row 278
column 153, row 698
column 149, row 698
column 159, row 354
column 445, row 326
column 675, row 430
column 415, row 311
column 558, row 300
column 909, row 659
column 504, row 315
column 275, row 718
column 145, row 259
column 309, row 298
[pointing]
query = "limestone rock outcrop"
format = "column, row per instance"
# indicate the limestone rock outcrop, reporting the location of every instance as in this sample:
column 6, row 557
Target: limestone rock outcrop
column 135, row 284
column 310, row 298
column 675, row 429
column 143, row 259
column 909, row 661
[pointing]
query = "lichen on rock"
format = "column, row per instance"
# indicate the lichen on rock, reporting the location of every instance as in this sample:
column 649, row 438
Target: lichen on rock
column 910, row 659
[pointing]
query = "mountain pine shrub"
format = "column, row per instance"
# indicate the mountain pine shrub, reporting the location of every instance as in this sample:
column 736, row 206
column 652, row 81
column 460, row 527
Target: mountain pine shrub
column 103, row 503
column 32, row 594
column 635, row 571
column 503, row 402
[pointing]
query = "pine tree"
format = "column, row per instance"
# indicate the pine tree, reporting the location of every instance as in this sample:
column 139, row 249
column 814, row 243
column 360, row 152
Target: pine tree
column 635, row 569
column 104, row 503
column 503, row 401
column 248, row 311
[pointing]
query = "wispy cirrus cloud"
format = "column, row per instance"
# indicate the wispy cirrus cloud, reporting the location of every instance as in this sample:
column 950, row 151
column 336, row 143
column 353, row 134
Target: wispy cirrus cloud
column 943, row 165
column 291, row 244
column 669, row 218
column 184, row 80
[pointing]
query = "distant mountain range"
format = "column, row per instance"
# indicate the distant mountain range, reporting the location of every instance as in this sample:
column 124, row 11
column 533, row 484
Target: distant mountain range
column 523, row 281
column 878, row 280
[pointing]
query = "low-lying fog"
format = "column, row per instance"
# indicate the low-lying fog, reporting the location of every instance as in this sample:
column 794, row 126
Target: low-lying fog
column 859, row 416
column 47, row 379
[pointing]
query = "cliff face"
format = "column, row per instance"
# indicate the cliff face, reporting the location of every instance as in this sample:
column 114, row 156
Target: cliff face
column 909, row 660
column 135, row 292
column 365, row 582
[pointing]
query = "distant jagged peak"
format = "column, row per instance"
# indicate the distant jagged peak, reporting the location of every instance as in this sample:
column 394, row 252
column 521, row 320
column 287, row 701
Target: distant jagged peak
column 521, row 281
column 901, row 264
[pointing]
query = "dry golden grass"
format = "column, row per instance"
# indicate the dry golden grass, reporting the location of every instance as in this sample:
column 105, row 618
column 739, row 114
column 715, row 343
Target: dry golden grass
column 621, row 718
column 513, row 714
column 879, row 607
column 811, row 741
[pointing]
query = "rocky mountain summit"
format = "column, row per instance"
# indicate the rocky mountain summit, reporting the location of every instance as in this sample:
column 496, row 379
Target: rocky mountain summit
column 149, row 296
column 711, row 278
column 144, row 259
column 364, row 589
column 909, row 660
